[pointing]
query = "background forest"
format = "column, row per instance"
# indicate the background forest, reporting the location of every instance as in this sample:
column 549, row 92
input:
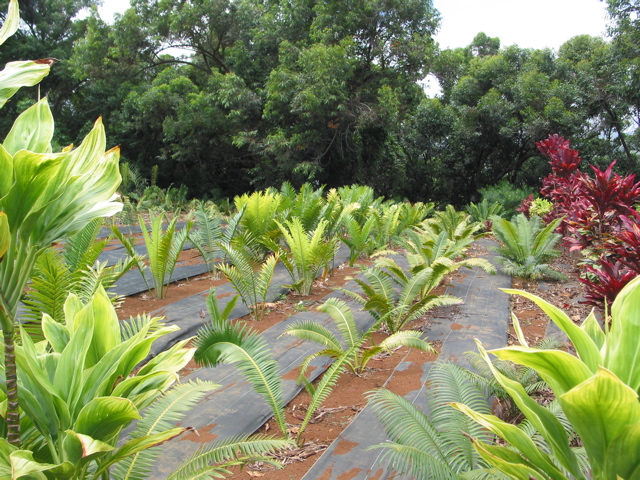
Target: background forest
column 227, row 96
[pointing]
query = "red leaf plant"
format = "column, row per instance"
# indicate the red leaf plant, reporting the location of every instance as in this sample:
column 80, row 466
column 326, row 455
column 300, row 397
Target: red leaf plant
column 604, row 281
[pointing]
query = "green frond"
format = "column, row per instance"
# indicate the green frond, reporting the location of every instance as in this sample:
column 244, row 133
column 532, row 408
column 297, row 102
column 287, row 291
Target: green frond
column 326, row 385
column 236, row 344
column 412, row 437
column 243, row 449
column 344, row 320
column 129, row 246
column 314, row 332
column 76, row 247
column 406, row 338
column 162, row 415
column 218, row 318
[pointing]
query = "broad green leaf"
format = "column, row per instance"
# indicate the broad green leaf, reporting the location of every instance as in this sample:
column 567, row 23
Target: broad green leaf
column 22, row 464
column 561, row 370
column 622, row 355
column 55, row 333
column 594, row 330
column 515, row 437
column 585, row 347
column 600, row 409
column 104, row 416
column 11, row 21
column 81, row 449
column 32, row 130
column 5, row 235
column 542, row 419
column 622, row 459
column 21, row 74
column 6, row 167
column 508, row 462
column 106, row 328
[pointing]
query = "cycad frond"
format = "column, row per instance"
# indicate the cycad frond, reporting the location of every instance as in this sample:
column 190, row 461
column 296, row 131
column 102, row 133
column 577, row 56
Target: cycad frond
column 344, row 320
column 526, row 247
column 326, row 385
column 314, row 332
column 77, row 246
column 50, row 285
column 236, row 344
column 406, row 338
column 415, row 447
column 207, row 235
column 241, row 449
column 162, row 415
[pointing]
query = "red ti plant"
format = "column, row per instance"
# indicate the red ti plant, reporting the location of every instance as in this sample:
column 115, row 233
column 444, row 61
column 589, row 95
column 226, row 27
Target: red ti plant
column 604, row 281
column 525, row 206
column 564, row 161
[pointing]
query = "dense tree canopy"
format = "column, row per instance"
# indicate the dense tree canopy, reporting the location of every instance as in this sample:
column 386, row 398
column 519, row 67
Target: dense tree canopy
column 230, row 95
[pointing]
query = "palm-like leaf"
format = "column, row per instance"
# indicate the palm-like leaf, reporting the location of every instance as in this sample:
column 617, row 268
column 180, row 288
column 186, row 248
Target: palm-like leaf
column 207, row 235
column 163, row 249
column 204, row 464
column 162, row 415
column 436, row 446
column 326, row 385
column 527, row 246
column 251, row 287
column 358, row 238
column 236, row 344
column 308, row 253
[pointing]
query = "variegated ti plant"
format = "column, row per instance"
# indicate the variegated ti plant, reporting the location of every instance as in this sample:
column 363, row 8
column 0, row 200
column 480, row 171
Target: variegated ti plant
column 45, row 196
column 597, row 390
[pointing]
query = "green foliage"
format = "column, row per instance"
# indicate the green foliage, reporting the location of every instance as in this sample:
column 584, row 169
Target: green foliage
column 507, row 195
column 597, row 391
column 232, row 343
column 73, row 269
column 379, row 297
column 80, row 388
column 163, row 249
column 358, row 237
column 250, row 279
column 307, row 255
column 207, row 235
column 527, row 246
column 483, row 211
column 540, row 207
column 351, row 339
column 437, row 446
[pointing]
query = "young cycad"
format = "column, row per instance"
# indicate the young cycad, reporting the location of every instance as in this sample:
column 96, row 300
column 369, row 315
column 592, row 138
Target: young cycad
column 308, row 253
column 250, row 279
column 350, row 351
column 163, row 249
column 527, row 247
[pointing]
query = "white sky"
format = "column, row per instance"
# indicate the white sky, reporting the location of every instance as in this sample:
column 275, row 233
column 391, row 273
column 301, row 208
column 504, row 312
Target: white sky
column 527, row 23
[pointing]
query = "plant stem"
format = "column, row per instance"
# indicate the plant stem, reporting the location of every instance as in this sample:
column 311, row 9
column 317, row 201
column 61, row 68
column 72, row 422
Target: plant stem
column 13, row 414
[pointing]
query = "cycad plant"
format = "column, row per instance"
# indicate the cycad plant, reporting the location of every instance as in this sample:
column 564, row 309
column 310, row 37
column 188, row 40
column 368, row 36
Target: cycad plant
column 226, row 342
column 414, row 300
column 483, row 211
column 163, row 249
column 527, row 246
column 250, row 279
column 207, row 235
column 350, row 338
column 72, row 269
column 308, row 253
column 359, row 238
column 438, row 445
column 261, row 209
column 425, row 248
column 350, row 351
column 456, row 224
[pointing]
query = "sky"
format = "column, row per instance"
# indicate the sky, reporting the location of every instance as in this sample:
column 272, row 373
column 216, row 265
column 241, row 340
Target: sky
column 527, row 23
